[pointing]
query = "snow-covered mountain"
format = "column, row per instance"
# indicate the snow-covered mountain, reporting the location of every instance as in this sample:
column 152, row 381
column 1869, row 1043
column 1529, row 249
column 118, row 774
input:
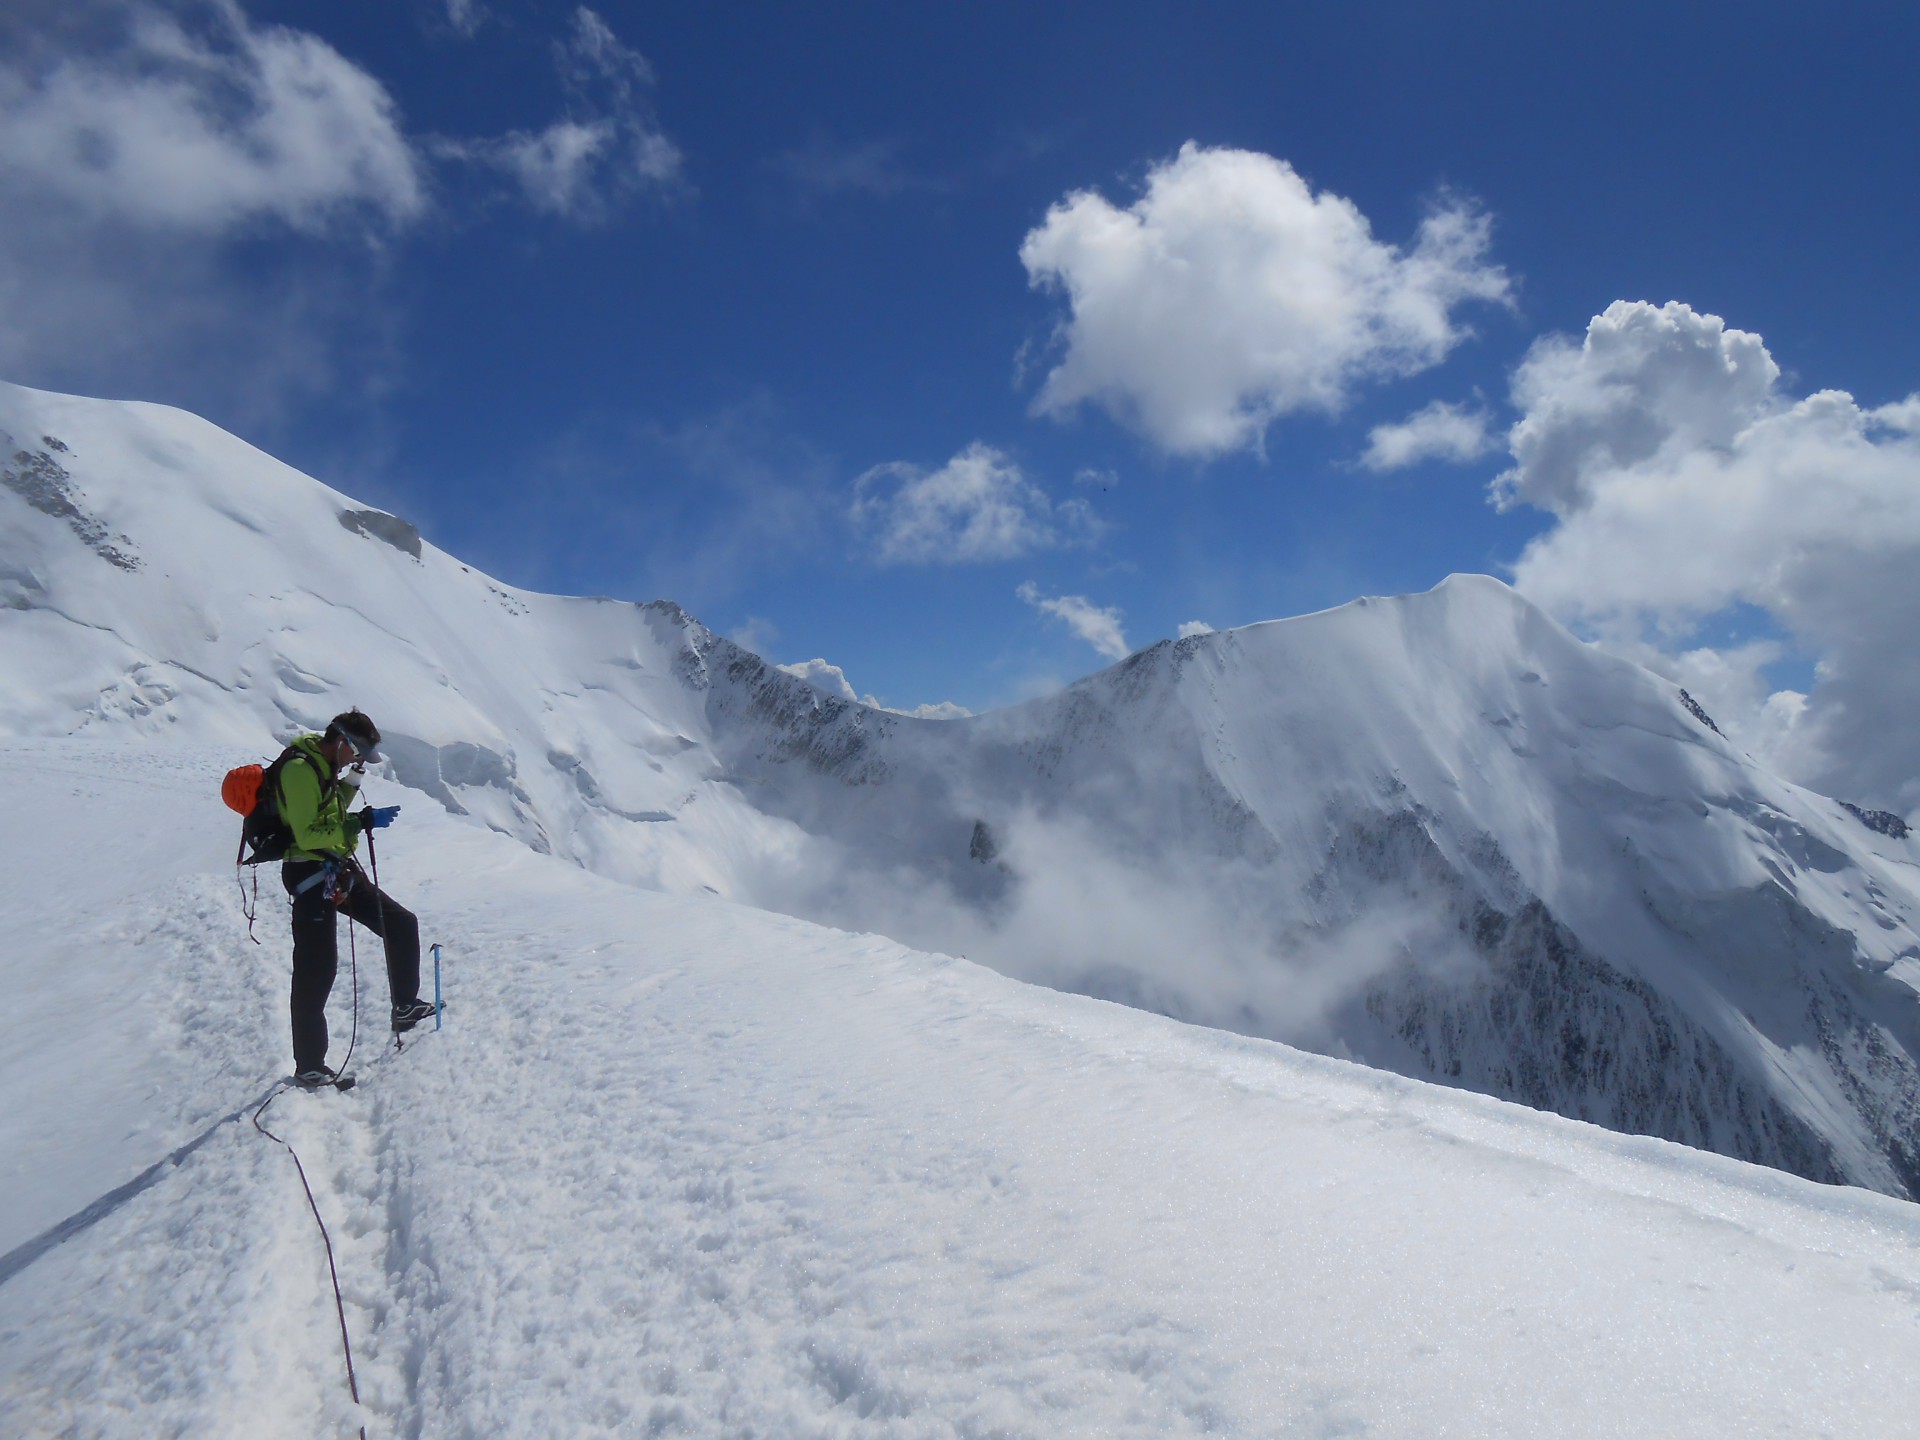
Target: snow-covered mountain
column 1436, row 834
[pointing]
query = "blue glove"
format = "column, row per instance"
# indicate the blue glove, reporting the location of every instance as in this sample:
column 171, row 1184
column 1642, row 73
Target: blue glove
column 378, row 818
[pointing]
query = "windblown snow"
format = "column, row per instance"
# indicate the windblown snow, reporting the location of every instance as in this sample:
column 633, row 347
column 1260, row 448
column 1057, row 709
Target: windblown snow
column 686, row 1160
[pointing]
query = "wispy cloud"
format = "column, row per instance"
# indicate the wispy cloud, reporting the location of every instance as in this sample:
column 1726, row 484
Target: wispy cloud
column 142, row 143
column 1437, row 432
column 607, row 148
column 206, row 129
column 138, row 147
column 1230, row 294
column 976, row 508
column 1100, row 627
column 826, row 167
column 466, row 16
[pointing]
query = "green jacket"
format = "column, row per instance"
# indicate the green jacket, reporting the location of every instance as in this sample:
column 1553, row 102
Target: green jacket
column 316, row 809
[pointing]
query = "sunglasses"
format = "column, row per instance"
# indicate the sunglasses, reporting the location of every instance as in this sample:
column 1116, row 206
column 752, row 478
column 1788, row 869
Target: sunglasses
column 360, row 756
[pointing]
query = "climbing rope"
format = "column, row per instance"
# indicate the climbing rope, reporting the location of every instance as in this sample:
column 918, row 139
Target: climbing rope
column 339, row 1304
column 353, row 1039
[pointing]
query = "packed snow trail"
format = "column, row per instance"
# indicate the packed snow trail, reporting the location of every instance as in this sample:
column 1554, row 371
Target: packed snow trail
column 680, row 1167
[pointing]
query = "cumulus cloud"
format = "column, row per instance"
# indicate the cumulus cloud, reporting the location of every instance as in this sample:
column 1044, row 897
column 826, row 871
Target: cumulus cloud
column 1684, row 483
column 1191, row 628
column 1097, row 625
column 978, row 507
column 1438, row 432
column 1646, row 380
column 606, row 148
column 1230, row 293
column 206, row 129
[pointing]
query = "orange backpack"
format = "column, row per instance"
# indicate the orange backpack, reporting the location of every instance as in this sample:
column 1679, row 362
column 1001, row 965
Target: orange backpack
column 254, row 791
column 241, row 788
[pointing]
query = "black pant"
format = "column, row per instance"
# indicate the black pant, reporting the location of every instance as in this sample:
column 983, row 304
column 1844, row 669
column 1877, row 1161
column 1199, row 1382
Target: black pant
column 315, row 958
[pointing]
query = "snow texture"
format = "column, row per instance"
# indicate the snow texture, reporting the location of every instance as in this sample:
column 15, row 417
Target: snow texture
column 677, row 1166
column 687, row 1161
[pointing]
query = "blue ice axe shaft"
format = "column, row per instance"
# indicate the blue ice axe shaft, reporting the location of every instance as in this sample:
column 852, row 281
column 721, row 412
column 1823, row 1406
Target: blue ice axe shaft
column 436, row 987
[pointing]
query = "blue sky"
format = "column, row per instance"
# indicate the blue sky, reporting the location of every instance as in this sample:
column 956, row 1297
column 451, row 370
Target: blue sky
column 791, row 313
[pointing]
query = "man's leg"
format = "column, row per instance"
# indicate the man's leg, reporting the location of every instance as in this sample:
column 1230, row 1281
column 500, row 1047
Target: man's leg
column 397, row 927
column 315, row 960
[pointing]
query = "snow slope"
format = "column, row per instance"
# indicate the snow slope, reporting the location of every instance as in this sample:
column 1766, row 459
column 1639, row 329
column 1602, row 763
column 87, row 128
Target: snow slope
column 1436, row 834
column 677, row 1166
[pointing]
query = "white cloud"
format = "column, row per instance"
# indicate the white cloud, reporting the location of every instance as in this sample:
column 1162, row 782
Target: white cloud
column 1438, row 432
column 141, row 142
column 936, row 710
column 1191, row 628
column 556, row 167
column 203, row 131
column 822, row 676
column 758, row 634
column 138, row 147
column 1230, row 294
column 1098, row 626
column 605, row 149
column 978, row 507
column 1685, row 484
column 1646, row 379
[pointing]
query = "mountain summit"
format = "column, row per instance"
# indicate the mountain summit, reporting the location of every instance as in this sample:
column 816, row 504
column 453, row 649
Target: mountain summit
column 1437, row 834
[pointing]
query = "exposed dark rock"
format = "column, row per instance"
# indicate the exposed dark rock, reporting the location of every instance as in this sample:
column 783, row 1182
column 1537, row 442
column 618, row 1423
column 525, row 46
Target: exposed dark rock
column 389, row 529
column 1878, row 1078
column 983, row 847
column 1541, row 1020
column 1693, row 708
column 1883, row 822
column 45, row 484
column 792, row 719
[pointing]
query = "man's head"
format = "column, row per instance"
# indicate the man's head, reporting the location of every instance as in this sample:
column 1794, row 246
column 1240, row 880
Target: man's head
column 351, row 739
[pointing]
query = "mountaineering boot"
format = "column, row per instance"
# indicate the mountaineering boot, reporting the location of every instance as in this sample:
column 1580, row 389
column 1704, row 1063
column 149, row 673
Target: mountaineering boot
column 320, row 1075
column 406, row 1016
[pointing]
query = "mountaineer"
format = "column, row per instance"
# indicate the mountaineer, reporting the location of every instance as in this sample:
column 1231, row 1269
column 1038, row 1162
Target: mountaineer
column 319, row 775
